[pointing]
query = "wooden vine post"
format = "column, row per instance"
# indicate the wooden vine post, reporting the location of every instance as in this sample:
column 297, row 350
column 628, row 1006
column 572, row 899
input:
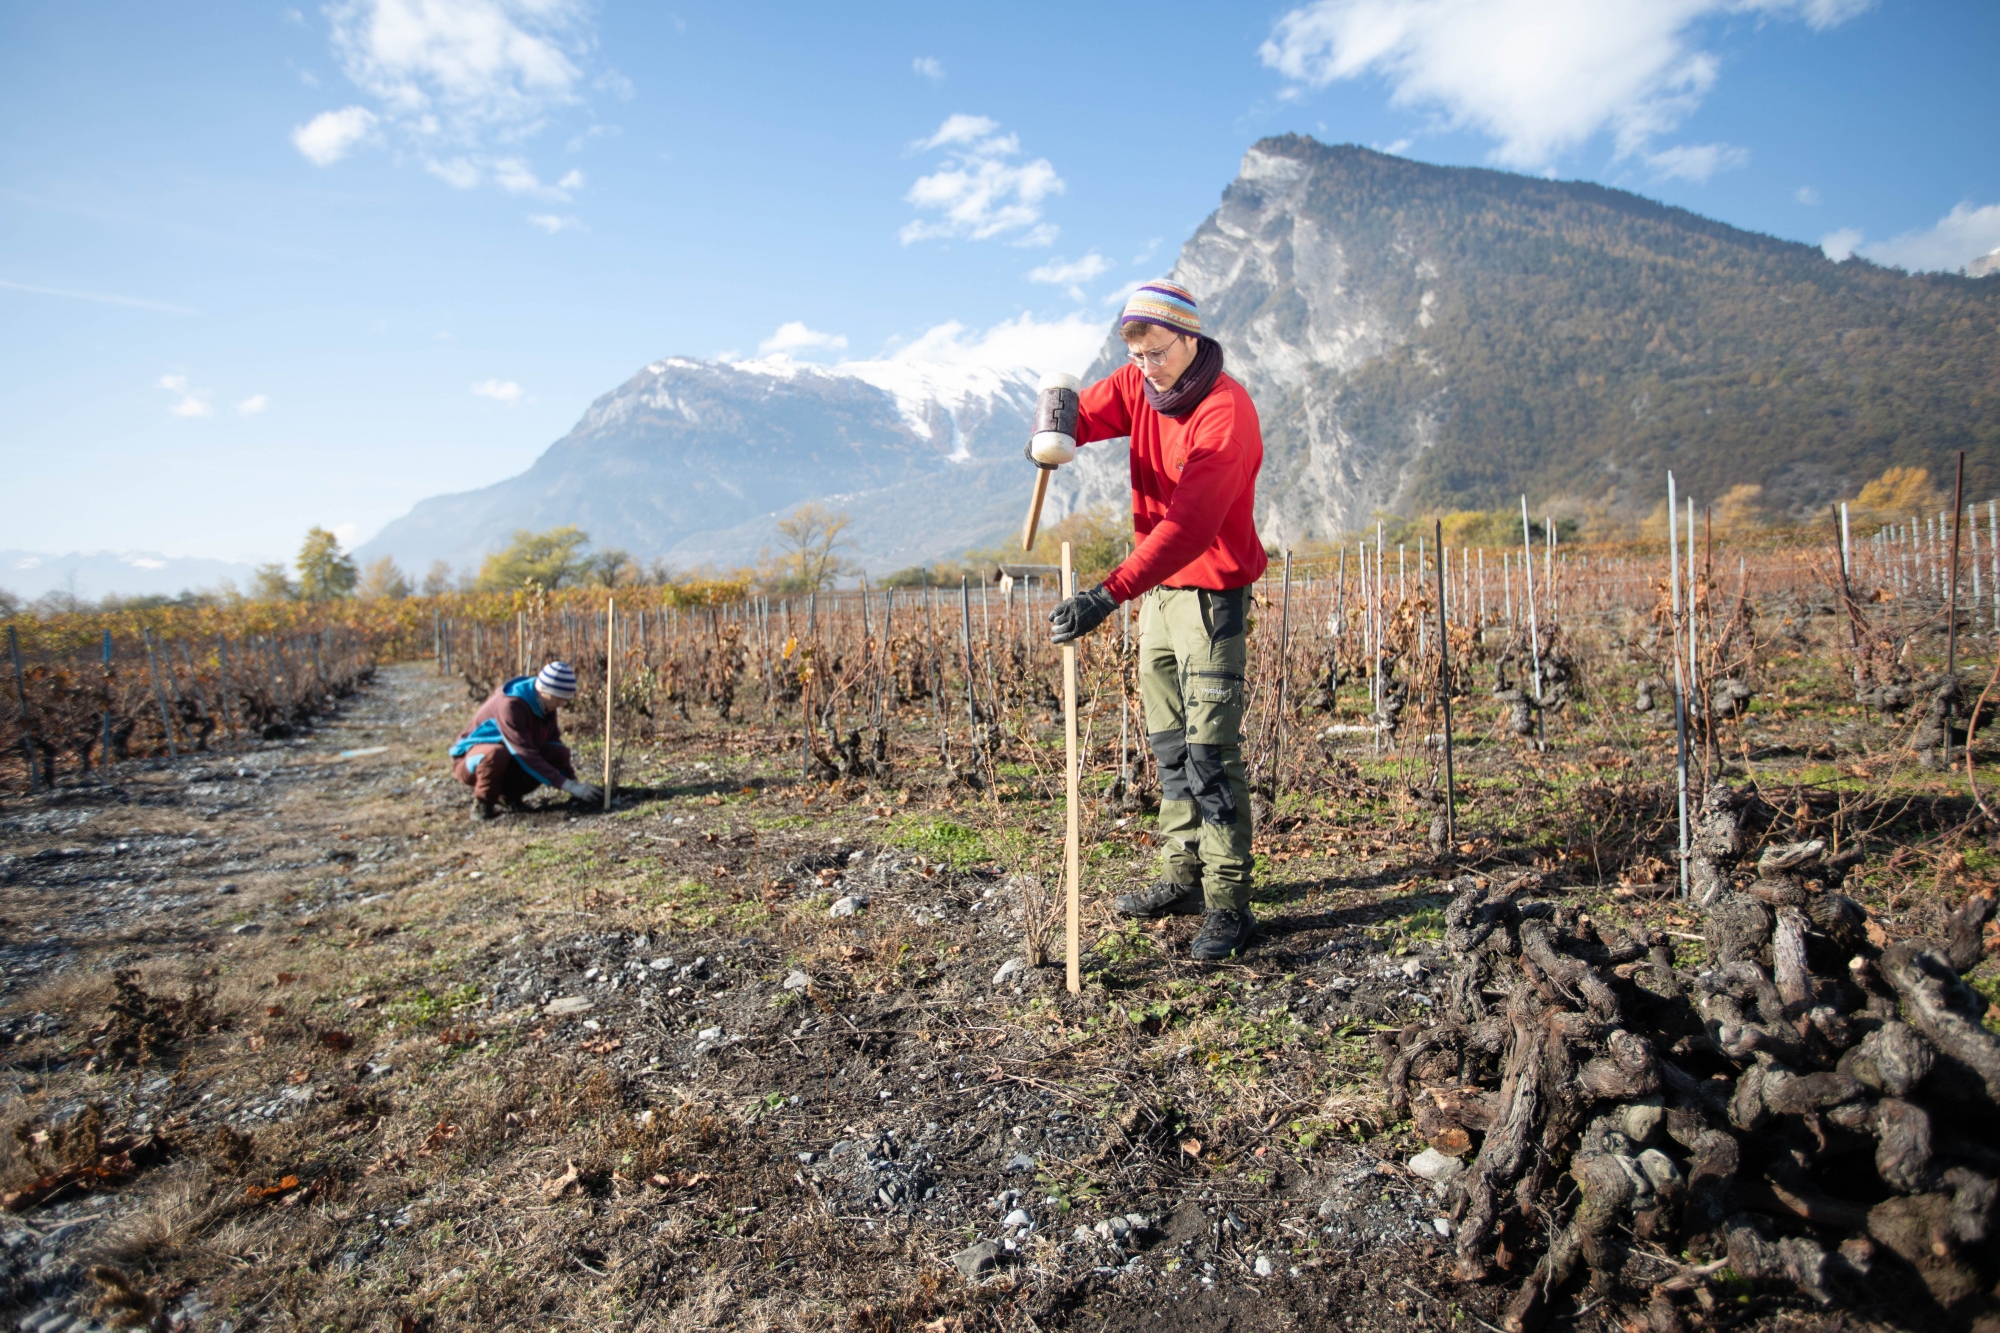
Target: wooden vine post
column 1072, row 949
column 610, row 645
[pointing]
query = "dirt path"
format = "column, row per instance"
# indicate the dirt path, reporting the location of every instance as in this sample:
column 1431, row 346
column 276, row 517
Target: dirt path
column 295, row 1045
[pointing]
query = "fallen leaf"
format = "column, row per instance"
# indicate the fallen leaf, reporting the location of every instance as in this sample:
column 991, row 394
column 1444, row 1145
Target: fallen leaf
column 298, row 1076
column 364, row 1001
column 711, row 800
column 274, row 1011
column 1192, row 1147
column 254, row 1042
column 257, row 1193
column 286, row 978
column 561, row 1185
column 339, row 1041
column 601, row 1046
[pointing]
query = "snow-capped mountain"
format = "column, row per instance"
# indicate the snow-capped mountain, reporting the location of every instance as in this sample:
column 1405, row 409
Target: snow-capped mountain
column 697, row 460
column 1415, row 338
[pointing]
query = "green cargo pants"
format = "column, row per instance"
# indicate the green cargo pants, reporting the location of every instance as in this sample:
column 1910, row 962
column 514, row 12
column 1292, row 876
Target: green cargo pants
column 1192, row 653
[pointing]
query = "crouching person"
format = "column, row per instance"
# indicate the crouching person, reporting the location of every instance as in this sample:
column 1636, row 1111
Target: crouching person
column 514, row 744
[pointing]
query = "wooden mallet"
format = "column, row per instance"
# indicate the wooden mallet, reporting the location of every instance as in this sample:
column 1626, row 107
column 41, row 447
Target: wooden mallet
column 1054, row 441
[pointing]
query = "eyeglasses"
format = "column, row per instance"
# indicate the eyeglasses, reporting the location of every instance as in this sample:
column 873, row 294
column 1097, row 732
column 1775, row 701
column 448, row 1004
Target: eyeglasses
column 1156, row 357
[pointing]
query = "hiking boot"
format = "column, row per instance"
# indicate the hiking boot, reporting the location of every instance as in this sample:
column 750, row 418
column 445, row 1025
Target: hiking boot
column 483, row 811
column 1225, row 932
column 1163, row 899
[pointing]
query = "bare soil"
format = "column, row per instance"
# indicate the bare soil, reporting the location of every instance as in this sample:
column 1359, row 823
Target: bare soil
column 297, row 1045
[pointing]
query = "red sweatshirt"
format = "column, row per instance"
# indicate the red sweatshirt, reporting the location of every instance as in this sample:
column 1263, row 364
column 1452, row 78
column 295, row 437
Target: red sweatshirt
column 1194, row 484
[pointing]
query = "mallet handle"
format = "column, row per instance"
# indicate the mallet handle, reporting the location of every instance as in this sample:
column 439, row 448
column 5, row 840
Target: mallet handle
column 1042, row 475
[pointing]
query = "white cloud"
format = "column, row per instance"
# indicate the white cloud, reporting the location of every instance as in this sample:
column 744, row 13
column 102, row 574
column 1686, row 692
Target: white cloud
column 328, row 137
column 514, row 176
column 1806, row 195
column 930, row 67
column 1060, row 272
column 1071, row 274
column 981, row 192
column 1068, row 344
column 960, row 128
column 553, row 222
column 461, row 173
column 1838, row 245
column 500, row 391
column 103, row 298
column 193, row 402
column 254, row 404
column 463, row 71
column 1538, row 76
column 795, row 336
column 1696, row 161
column 460, row 84
column 1954, row 241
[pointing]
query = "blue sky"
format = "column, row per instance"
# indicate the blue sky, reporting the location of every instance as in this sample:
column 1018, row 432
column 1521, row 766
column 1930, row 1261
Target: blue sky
column 263, row 267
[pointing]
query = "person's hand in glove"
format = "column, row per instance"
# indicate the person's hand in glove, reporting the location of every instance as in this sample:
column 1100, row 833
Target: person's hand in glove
column 586, row 792
column 1077, row 616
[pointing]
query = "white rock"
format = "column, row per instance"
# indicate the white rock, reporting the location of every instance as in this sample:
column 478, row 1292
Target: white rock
column 1018, row 1218
column 797, row 980
column 1435, row 1167
column 1008, row 969
column 1262, row 1266
column 848, row 906
column 709, row 1034
column 568, row 1004
column 1442, row 1225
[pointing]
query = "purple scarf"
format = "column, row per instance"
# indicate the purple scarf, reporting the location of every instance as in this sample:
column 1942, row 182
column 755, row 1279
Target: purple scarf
column 1192, row 386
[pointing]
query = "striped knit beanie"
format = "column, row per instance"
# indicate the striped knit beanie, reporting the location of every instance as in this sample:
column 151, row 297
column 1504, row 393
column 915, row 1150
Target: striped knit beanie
column 557, row 681
column 1166, row 304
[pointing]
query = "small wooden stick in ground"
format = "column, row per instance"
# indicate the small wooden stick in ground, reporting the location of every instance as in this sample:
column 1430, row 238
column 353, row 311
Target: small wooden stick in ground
column 610, row 641
column 1074, row 920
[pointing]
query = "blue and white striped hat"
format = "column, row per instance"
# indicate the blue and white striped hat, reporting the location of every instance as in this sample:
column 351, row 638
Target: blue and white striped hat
column 557, row 681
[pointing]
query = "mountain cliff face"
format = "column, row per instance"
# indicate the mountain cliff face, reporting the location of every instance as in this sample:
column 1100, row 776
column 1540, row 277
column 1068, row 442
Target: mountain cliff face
column 1423, row 337
column 697, row 460
column 1416, row 337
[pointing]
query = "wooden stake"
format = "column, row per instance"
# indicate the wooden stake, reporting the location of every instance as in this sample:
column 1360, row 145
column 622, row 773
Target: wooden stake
column 1951, row 596
column 1444, row 696
column 1071, row 842
column 610, row 659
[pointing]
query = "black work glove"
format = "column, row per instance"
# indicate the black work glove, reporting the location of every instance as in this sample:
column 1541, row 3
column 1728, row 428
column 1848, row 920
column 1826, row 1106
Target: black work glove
column 1077, row 616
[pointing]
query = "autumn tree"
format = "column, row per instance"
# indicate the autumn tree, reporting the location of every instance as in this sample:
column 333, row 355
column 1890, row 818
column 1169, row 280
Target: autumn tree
column 382, row 581
column 1897, row 496
column 552, row 559
column 812, row 535
column 325, row 571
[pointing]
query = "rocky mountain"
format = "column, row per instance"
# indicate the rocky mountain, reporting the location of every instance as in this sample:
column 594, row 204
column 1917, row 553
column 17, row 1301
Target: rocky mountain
column 697, row 460
column 1422, row 337
column 1416, row 337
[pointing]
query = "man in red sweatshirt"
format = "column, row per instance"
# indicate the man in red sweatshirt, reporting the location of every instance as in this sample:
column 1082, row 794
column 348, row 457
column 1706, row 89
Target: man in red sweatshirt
column 1196, row 451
